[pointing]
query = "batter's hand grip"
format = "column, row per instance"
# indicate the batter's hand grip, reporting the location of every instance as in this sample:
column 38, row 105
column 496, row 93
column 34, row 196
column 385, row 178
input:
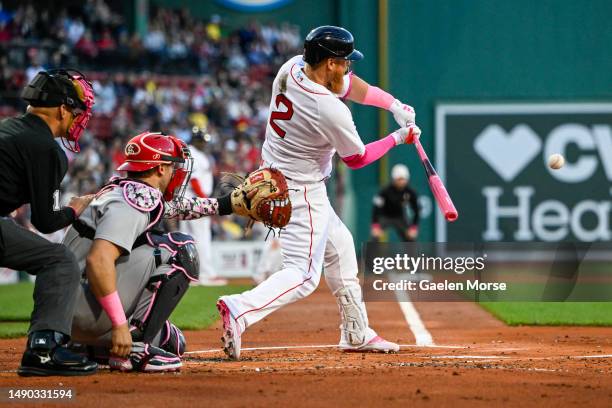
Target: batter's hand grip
column 443, row 198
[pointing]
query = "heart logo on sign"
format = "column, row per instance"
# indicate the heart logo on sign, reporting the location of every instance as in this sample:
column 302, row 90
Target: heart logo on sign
column 508, row 153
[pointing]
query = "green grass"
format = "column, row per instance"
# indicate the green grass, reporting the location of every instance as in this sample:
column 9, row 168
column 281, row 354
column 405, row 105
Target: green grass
column 196, row 311
column 16, row 302
column 10, row 330
column 587, row 301
column 198, row 308
column 552, row 313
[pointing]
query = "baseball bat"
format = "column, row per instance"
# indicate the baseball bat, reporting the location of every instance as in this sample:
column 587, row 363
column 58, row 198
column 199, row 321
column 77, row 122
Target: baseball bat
column 437, row 187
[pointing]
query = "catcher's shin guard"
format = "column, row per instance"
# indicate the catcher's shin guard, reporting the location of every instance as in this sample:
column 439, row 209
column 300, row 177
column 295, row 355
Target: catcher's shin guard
column 354, row 319
column 168, row 288
column 173, row 340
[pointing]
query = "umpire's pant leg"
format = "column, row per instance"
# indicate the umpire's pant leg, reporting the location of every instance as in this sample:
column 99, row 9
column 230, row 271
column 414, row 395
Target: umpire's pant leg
column 56, row 270
column 401, row 228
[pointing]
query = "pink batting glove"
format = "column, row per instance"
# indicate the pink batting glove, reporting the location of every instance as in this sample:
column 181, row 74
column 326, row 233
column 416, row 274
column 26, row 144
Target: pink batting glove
column 402, row 113
column 406, row 134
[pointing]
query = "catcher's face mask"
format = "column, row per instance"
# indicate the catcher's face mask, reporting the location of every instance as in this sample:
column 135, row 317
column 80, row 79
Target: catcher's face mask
column 182, row 168
column 64, row 87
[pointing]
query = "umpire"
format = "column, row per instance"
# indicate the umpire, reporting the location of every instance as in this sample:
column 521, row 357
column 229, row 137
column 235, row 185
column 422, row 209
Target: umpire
column 32, row 166
column 390, row 204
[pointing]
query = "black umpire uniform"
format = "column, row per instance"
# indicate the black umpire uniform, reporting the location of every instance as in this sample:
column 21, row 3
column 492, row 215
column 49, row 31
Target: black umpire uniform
column 32, row 166
column 390, row 209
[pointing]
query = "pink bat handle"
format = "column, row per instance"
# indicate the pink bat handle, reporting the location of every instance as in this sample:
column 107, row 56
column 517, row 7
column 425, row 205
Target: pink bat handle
column 437, row 187
column 420, row 150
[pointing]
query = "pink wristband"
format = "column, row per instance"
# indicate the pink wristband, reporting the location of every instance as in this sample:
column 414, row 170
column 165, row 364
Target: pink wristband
column 377, row 97
column 113, row 308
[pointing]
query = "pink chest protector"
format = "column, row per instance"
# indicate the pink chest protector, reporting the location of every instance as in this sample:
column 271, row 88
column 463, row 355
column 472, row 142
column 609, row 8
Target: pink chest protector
column 139, row 195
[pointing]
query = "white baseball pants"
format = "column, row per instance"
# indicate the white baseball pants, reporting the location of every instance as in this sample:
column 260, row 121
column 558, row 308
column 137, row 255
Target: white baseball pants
column 314, row 237
column 200, row 230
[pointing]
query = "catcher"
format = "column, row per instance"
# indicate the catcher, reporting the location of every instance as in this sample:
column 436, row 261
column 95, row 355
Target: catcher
column 134, row 274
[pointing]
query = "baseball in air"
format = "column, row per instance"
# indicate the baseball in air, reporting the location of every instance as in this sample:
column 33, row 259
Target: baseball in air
column 556, row 161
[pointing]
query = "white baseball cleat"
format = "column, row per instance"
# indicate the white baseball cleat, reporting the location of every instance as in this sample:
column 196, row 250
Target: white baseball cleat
column 231, row 332
column 376, row 345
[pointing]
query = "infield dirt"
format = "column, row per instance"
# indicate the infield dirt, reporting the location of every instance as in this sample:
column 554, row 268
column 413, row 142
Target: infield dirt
column 477, row 361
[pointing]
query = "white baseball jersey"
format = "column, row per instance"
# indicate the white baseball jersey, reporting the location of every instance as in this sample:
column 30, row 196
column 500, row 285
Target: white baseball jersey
column 200, row 229
column 307, row 125
column 202, row 172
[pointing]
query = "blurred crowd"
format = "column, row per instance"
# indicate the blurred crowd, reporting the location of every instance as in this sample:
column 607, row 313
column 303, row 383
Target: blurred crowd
column 183, row 73
column 175, row 42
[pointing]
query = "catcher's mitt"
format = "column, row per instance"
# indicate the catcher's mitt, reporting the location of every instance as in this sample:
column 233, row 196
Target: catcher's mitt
column 263, row 196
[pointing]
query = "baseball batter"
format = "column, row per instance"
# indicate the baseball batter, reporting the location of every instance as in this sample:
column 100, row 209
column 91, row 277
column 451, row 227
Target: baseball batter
column 308, row 124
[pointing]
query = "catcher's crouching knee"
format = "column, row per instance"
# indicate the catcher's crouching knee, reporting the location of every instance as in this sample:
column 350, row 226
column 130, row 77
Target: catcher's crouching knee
column 187, row 255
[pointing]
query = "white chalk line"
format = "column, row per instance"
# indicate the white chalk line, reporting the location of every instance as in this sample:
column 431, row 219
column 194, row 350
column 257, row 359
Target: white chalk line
column 420, row 332
column 483, row 357
column 438, row 357
column 595, row 356
column 416, row 325
column 323, row 346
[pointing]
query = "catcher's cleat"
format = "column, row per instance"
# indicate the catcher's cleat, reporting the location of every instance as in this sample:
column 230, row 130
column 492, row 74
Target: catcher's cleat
column 231, row 332
column 44, row 356
column 376, row 345
column 147, row 359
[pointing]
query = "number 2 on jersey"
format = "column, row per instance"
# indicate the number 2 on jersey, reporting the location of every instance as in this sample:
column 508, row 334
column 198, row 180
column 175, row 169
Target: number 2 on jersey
column 281, row 115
